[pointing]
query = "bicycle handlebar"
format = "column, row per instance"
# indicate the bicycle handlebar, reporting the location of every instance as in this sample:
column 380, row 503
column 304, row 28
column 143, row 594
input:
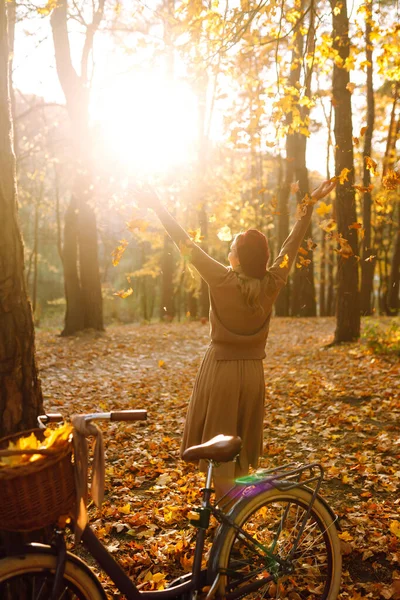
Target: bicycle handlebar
column 128, row 415
column 114, row 415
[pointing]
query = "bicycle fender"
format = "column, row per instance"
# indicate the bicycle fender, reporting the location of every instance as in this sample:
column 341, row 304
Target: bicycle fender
column 37, row 548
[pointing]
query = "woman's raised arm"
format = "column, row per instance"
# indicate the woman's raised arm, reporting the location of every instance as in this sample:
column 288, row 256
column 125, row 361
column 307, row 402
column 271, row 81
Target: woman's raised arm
column 210, row 270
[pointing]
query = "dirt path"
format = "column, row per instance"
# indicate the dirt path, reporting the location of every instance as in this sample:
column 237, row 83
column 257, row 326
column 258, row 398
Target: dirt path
column 335, row 405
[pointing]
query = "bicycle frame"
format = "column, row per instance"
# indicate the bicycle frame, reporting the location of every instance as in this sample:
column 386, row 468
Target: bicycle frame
column 282, row 478
column 285, row 478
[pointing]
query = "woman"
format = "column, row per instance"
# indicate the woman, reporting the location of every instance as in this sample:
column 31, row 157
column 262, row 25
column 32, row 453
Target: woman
column 229, row 390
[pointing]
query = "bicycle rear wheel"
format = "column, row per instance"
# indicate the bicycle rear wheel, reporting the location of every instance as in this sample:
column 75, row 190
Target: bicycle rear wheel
column 31, row 577
column 290, row 556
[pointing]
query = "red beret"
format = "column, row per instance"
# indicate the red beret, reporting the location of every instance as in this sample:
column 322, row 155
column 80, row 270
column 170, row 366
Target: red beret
column 253, row 253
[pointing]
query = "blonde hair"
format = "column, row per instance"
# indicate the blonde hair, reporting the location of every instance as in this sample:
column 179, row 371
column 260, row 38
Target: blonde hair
column 250, row 288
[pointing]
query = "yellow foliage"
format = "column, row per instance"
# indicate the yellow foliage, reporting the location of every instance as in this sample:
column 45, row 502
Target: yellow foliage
column 285, row 262
column 323, row 209
column 53, row 438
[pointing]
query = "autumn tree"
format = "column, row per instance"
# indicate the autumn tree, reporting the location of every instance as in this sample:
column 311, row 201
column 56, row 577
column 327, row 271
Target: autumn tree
column 20, row 390
column 80, row 251
column 348, row 301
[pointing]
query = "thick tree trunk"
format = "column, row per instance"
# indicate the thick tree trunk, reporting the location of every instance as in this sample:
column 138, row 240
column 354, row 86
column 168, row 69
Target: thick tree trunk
column 348, row 297
column 82, row 281
column 367, row 266
column 20, row 390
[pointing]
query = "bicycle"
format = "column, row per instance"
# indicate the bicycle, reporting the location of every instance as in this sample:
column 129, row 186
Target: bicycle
column 279, row 539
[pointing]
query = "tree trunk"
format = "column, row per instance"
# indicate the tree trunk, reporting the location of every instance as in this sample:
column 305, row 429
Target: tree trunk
column 393, row 292
column 20, row 391
column 167, row 309
column 348, row 298
column 303, row 290
column 367, row 266
column 74, row 316
column 282, row 303
column 82, row 280
column 322, row 278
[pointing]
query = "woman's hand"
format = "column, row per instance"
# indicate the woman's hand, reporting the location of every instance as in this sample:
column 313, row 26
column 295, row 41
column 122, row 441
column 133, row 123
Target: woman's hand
column 145, row 196
column 323, row 189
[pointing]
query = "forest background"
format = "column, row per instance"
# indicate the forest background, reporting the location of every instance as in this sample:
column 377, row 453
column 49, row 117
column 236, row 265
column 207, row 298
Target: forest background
column 234, row 111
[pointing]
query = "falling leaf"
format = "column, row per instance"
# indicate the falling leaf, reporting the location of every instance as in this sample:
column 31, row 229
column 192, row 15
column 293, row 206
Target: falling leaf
column 303, row 262
column 124, row 293
column 363, row 130
column 302, row 207
column 328, row 225
column 361, row 188
column 294, row 187
column 345, row 250
column 343, row 175
column 303, row 251
column 284, row 262
column 118, row 252
column 350, row 86
column 225, row 234
column 161, row 363
column 356, row 141
column 371, row 165
column 310, row 244
column 323, row 209
column 195, row 235
column 355, row 226
column 370, row 258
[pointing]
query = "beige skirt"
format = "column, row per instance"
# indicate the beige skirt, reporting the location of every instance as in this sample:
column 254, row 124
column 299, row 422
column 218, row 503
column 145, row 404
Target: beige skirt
column 228, row 397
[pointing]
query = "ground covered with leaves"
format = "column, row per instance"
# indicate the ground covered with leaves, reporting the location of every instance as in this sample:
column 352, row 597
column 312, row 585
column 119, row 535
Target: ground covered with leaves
column 337, row 405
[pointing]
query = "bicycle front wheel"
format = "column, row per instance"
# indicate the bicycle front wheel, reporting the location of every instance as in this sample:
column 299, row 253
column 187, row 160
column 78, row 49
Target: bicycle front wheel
column 280, row 551
column 31, row 577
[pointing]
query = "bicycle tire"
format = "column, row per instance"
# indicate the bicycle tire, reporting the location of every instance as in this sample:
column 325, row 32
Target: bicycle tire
column 274, row 516
column 31, row 576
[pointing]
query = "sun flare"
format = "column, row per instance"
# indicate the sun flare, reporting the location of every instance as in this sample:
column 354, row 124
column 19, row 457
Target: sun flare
column 148, row 125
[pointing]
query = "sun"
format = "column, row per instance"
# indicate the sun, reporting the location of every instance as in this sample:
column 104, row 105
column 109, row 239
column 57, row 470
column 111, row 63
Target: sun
column 148, row 124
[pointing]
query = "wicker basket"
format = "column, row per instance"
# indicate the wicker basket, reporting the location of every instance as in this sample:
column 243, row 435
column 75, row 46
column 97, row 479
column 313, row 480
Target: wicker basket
column 33, row 495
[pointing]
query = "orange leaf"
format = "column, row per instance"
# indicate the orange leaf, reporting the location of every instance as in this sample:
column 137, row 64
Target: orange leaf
column 355, row 226
column 361, row 188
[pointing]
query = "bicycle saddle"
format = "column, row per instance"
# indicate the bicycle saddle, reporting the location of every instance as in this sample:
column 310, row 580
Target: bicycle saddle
column 221, row 448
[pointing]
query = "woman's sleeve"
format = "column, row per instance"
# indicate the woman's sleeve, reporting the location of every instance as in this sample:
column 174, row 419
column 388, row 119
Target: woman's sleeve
column 210, row 270
column 282, row 264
